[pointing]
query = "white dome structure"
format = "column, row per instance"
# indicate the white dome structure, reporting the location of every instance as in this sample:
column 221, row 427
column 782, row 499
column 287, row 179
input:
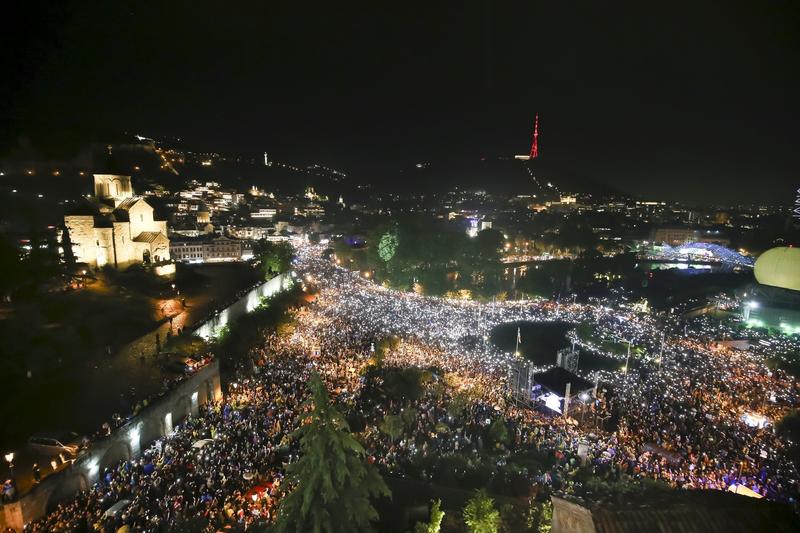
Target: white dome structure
column 779, row 267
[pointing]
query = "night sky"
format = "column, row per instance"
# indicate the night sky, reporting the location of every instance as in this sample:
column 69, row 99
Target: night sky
column 671, row 100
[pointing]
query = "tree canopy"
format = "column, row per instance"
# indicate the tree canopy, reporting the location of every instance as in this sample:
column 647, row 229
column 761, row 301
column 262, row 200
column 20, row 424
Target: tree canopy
column 480, row 514
column 332, row 481
column 434, row 524
column 275, row 257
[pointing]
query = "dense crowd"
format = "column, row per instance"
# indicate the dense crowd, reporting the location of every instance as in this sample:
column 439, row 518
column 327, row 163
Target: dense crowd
column 684, row 416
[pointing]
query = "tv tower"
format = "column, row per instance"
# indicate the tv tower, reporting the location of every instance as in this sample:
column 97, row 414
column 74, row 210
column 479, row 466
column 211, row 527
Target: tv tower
column 535, row 146
column 534, row 153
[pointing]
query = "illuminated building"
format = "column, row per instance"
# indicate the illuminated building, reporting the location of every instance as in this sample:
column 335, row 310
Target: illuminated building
column 115, row 227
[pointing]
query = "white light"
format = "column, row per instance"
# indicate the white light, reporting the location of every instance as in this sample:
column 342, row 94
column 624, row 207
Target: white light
column 553, row 402
column 133, row 436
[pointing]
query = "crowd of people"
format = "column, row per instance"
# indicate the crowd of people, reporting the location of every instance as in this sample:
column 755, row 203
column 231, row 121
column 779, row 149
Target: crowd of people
column 684, row 417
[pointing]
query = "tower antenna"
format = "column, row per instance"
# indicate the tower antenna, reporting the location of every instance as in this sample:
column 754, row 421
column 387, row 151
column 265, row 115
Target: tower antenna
column 535, row 146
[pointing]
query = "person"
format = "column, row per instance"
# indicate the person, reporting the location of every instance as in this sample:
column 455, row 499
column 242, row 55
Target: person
column 9, row 491
column 37, row 474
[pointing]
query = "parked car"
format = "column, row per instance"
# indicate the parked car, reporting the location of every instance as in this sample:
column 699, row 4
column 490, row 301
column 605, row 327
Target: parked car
column 181, row 365
column 54, row 443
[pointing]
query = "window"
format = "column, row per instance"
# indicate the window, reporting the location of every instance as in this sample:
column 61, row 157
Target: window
column 141, row 217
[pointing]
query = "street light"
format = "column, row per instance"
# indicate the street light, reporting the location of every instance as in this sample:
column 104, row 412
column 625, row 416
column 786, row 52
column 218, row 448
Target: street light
column 9, row 457
column 584, row 397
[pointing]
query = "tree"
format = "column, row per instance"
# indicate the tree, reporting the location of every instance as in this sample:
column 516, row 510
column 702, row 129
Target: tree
column 434, row 524
column 488, row 244
column 498, row 431
column 393, row 426
column 409, row 416
column 403, row 383
column 480, row 514
column 789, row 425
column 540, row 516
column 275, row 257
column 332, row 482
column 12, row 268
column 68, row 253
column 387, row 246
column 789, row 428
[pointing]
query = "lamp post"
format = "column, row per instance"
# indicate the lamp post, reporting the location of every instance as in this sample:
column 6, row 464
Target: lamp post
column 584, row 397
column 9, row 457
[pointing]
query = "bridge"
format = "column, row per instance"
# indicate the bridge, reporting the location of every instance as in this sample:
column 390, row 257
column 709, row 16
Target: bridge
column 697, row 253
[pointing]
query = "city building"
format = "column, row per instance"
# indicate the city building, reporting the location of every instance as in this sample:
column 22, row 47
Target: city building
column 264, row 213
column 673, row 236
column 187, row 251
column 215, row 250
column 255, row 233
column 115, row 227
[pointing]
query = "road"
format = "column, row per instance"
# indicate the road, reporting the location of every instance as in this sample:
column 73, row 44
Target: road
column 82, row 398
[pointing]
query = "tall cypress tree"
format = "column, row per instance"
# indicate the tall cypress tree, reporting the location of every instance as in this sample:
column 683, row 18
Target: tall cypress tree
column 332, row 481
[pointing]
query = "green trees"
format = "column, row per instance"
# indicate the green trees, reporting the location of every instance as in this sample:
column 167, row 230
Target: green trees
column 393, row 426
column 789, row 428
column 332, row 482
column 480, row 514
column 387, row 246
column 789, row 425
column 498, row 432
column 275, row 257
column 433, row 256
column 434, row 524
column 402, row 384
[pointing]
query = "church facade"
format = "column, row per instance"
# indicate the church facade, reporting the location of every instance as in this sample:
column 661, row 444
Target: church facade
column 116, row 228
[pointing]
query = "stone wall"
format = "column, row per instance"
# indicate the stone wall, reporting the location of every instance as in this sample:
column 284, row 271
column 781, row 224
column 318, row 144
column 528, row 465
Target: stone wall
column 569, row 517
column 81, row 235
column 125, row 442
column 104, row 239
column 242, row 306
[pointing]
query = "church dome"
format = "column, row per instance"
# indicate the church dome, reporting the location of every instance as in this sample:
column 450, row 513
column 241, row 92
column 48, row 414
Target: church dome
column 779, row 267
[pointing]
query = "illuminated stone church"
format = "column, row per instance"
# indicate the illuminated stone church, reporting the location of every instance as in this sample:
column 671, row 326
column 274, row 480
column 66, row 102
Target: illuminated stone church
column 116, row 228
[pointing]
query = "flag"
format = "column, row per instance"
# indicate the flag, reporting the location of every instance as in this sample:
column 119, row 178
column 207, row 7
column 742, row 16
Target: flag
column 519, row 336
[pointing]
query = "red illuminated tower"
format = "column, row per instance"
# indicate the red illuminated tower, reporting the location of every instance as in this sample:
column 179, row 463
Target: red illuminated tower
column 535, row 146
